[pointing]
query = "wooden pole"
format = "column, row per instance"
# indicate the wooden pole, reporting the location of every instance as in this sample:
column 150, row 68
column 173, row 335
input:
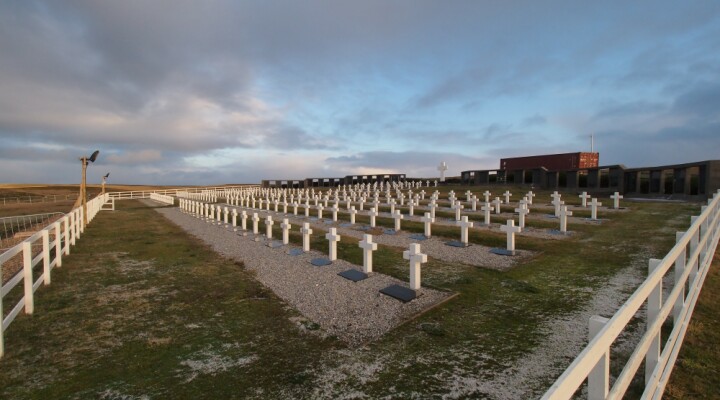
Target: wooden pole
column 83, row 190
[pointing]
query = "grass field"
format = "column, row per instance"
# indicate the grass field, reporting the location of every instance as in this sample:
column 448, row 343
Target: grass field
column 142, row 309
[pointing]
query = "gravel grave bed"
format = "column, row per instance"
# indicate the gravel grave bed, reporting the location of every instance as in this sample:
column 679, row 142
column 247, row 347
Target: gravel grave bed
column 354, row 312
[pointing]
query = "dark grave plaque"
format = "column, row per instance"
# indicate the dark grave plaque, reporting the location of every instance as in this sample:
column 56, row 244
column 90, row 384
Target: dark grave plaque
column 313, row 218
column 242, row 232
column 346, row 225
column 275, row 244
column 400, row 292
column 550, row 216
column 295, row 252
column 389, row 231
column 320, row 262
column 258, row 238
column 457, row 243
column 353, row 275
column 502, row 252
column 328, row 222
column 557, row 232
column 364, row 228
column 418, row 236
column 594, row 221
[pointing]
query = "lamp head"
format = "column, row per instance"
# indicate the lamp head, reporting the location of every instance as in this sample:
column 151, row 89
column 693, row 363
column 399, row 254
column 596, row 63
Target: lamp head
column 94, row 155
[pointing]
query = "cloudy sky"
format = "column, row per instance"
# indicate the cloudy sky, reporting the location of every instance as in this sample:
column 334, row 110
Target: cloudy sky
column 207, row 92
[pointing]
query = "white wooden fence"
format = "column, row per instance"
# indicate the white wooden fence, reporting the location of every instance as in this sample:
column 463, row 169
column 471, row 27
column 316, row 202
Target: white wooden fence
column 162, row 198
column 145, row 194
column 691, row 257
column 65, row 232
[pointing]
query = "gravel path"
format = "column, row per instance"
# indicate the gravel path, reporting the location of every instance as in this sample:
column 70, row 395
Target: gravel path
column 354, row 312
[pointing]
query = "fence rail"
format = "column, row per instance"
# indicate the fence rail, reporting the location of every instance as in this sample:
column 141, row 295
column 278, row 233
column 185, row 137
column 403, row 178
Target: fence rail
column 145, row 194
column 11, row 226
column 37, row 250
column 691, row 258
column 38, row 199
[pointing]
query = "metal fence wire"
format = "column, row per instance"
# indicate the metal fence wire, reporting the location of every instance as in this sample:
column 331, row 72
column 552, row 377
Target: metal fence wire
column 12, row 226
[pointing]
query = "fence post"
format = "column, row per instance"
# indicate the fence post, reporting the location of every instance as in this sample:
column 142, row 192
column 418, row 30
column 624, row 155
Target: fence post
column 599, row 376
column 28, row 277
column 694, row 241
column 2, row 331
column 58, row 245
column 66, row 235
column 46, row 256
column 703, row 233
column 654, row 303
column 679, row 270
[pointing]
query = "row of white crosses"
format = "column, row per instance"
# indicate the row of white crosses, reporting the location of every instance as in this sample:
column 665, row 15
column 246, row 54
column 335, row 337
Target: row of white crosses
column 414, row 255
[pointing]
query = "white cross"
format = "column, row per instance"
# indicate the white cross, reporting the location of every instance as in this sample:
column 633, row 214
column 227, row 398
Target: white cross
column 397, row 216
column 464, row 225
column 422, row 195
column 428, row 220
column 285, row 230
column 564, row 213
column 255, row 220
column 557, row 203
column 458, row 209
column 294, row 206
column 243, row 220
column 275, row 203
column 373, row 213
column 555, row 195
column 416, row 258
column 234, row 217
column 267, row 205
column 362, row 203
column 442, row 168
column 334, row 210
column 307, row 208
column 306, row 232
column 487, row 195
column 212, row 211
column 392, row 206
column 486, row 209
column 584, row 197
column 268, row 226
column 225, row 214
column 432, row 208
column 320, row 210
column 352, row 212
column 594, row 204
column 219, row 216
column 411, row 206
column 368, row 247
column 497, row 203
column 332, row 238
column 522, row 212
column 616, row 200
column 511, row 230
column 468, row 194
column 284, row 204
column 473, row 202
column 507, row 195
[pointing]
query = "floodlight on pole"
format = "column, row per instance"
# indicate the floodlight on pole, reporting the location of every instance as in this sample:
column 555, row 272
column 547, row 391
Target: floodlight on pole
column 83, row 191
column 103, row 182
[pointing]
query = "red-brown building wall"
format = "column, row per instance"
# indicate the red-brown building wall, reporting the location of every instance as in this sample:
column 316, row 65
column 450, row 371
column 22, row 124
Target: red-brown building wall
column 552, row 162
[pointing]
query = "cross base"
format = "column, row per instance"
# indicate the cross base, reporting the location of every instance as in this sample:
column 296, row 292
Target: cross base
column 353, row 275
column 558, row 232
column 320, row 262
column 502, row 252
column 295, row 252
column 457, row 243
column 275, row 244
column 418, row 236
column 400, row 292
column 389, row 231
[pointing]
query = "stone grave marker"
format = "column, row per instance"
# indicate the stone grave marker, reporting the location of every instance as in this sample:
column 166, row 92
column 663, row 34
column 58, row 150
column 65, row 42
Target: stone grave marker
column 427, row 219
column 404, row 294
column 584, row 197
